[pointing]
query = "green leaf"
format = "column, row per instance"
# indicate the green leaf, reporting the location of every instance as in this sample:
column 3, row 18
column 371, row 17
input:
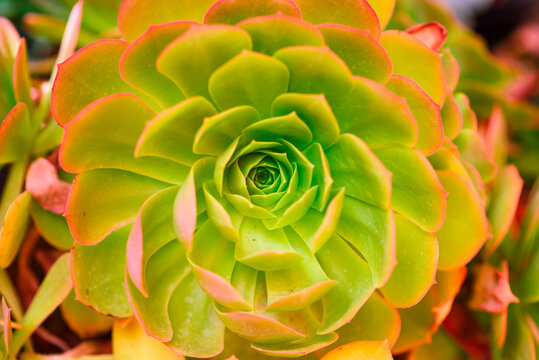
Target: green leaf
column 218, row 132
column 314, row 110
column 371, row 231
column 203, row 337
column 101, row 283
column 316, row 70
column 136, row 16
column 417, row 256
column 234, row 11
column 84, row 321
column 271, row 33
column 504, row 200
column 249, row 78
column 171, row 133
column 321, row 175
column 376, row 116
column 294, row 211
column 465, row 228
column 153, row 228
column 355, row 13
column 451, row 117
column 16, row 134
column 426, row 113
column 414, row 60
column 316, row 228
column 384, row 10
column 341, row 263
column 189, row 201
column 297, row 348
column 216, row 44
column 377, row 320
column 52, row 227
column 21, row 77
column 105, row 134
column 90, row 74
column 299, row 286
column 52, row 291
column 364, row 56
column 14, row 228
column 417, row 192
column 223, row 215
column 103, row 200
column 165, row 270
column 212, row 261
column 356, row 168
column 473, row 149
column 365, row 350
column 138, row 63
column 264, row 249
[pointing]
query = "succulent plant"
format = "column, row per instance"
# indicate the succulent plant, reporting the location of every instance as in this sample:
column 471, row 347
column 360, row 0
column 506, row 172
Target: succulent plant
column 266, row 168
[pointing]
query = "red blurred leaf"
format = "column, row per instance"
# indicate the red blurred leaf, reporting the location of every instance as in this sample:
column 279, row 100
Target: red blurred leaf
column 43, row 184
column 464, row 328
column 491, row 291
column 431, row 34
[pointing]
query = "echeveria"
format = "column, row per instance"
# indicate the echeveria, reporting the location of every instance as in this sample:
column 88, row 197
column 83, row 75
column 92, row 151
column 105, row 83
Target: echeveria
column 263, row 167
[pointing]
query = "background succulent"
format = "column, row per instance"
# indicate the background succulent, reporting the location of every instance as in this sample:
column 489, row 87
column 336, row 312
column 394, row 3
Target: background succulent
column 302, row 157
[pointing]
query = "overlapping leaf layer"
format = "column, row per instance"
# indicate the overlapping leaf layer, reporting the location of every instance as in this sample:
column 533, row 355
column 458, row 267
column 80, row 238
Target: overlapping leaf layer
column 267, row 168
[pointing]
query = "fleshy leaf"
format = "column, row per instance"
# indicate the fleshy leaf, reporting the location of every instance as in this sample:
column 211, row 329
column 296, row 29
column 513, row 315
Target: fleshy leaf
column 92, row 140
column 212, row 261
column 92, row 73
column 46, row 188
column 355, row 167
column 473, row 149
column 234, row 11
column 164, row 273
column 14, row 227
column 297, row 287
column 170, row 134
column 364, row 56
column 21, row 77
column 314, row 111
column 377, row 320
column 138, row 68
column 491, row 291
column 249, row 79
column 417, row 256
column 264, row 249
column 451, row 117
column 364, row 350
column 431, row 34
column 136, row 16
column 355, row 13
column 384, row 10
column 203, row 337
column 376, row 115
column 189, row 201
column 218, row 132
column 271, row 33
column 224, row 217
column 316, row 228
column 84, row 321
column 503, row 204
column 152, row 230
column 354, row 283
column 417, row 192
column 316, row 70
column 297, row 348
column 129, row 341
column 287, row 127
column 101, row 284
column 52, row 227
column 15, row 134
column 216, row 44
column 425, row 111
column 121, row 194
column 321, row 175
column 371, row 231
column 411, row 58
column 465, row 227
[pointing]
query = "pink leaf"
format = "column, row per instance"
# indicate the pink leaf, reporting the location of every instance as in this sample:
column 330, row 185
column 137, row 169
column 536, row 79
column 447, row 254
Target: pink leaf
column 43, row 184
column 491, row 291
column 431, row 34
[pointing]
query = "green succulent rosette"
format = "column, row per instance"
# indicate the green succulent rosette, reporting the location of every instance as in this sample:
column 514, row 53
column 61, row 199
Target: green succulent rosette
column 269, row 171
